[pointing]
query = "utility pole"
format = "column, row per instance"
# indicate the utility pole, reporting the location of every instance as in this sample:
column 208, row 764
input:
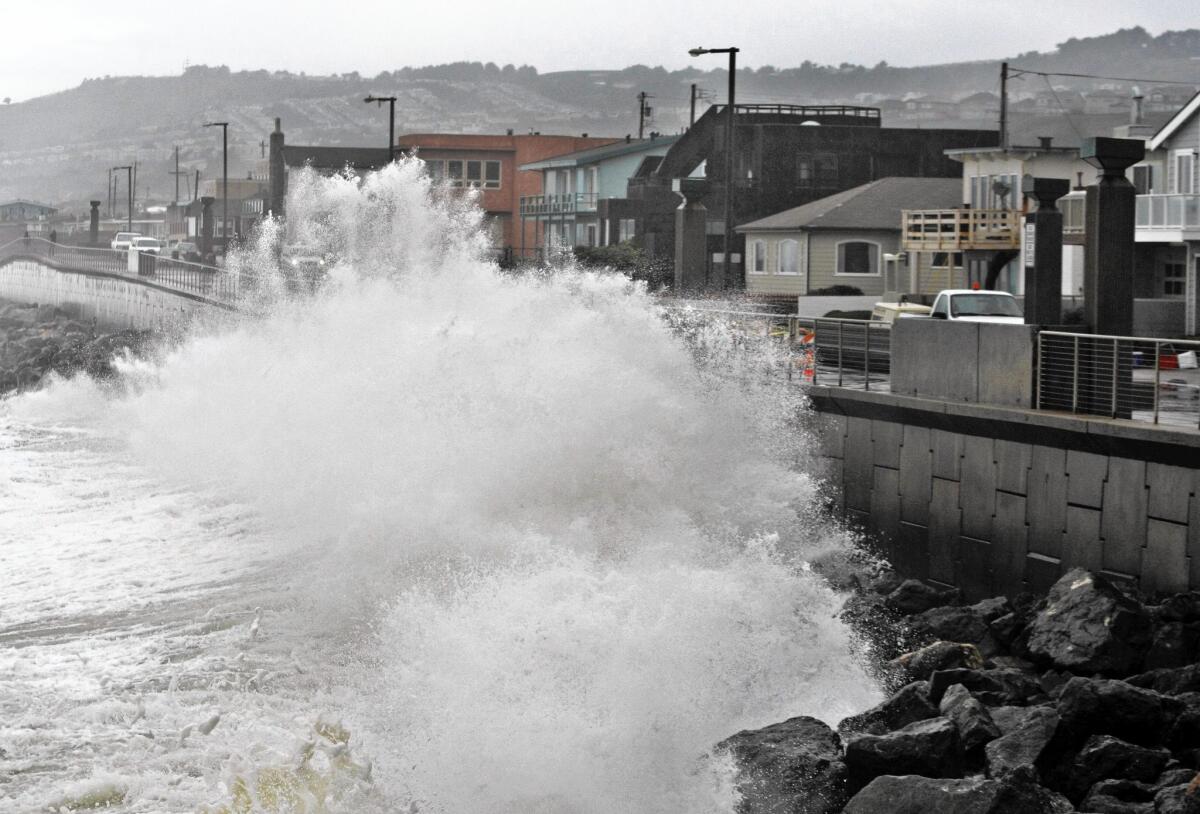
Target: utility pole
column 1003, row 105
column 730, row 153
column 177, row 173
column 644, row 112
column 391, row 100
column 224, row 181
column 110, row 195
column 262, row 146
column 692, row 115
column 129, row 183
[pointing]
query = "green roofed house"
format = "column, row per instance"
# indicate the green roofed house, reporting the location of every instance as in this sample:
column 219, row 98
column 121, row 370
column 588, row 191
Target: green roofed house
column 842, row 240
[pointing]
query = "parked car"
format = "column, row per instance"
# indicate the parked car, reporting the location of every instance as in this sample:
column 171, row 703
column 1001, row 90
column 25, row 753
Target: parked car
column 977, row 306
column 123, row 240
column 147, row 245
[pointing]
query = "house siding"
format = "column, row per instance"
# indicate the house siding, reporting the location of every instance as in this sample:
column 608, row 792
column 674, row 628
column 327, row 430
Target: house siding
column 822, row 256
column 772, row 282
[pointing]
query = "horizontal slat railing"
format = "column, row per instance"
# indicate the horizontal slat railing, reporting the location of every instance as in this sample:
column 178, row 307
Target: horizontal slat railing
column 1134, row 378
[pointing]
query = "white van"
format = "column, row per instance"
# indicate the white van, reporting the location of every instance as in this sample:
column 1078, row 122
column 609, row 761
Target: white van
column 124, row 240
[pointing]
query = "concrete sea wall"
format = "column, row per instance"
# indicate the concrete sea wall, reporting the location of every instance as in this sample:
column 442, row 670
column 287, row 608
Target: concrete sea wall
column 111, row 301
column 998, row 500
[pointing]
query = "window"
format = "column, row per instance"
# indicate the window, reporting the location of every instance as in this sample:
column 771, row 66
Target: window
column 1184, row 169
column 473, row 174
column 626, row 230
column 591, row 234
column 1173, row 279
column 817, row 170
column 436, row 170
column 1143, row 178
column 789, row 257
column 857, row 257
column 758, row 251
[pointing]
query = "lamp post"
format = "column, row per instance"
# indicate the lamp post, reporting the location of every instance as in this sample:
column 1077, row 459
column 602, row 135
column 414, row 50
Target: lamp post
column 128, row 183
column 391, row 100
column 729, row 154
column 224, row 181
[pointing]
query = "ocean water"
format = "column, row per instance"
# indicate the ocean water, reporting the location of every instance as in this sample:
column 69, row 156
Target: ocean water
column 436, row 539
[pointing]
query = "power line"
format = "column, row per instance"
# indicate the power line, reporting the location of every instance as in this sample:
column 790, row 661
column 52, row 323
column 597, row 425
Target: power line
column 1193, row 83
column 1063, row 108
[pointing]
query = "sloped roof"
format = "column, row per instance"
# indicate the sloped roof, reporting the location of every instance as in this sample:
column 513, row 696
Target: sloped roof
column 875, row 205
column 595, row 154
column 1176, row 121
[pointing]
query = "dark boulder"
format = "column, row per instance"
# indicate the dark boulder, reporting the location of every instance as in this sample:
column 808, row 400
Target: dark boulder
column 793, row 767
column 1088, row 625
column 975, row 726
column 1181, row 607
column 1175, row 644
column 1107, row 707
column 1183, row 798
column 1185, row 730
column 921, row 664
column 1169, row 680
column 1025, row 732
column 907, row 706
column 1104, row 757
column 928, row 748
column 992, row 687
column 954, row 623
column 913, row 596
column 975, row 795
column 1119, row 797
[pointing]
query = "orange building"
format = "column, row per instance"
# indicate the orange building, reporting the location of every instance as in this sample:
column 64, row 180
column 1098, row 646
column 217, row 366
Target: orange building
column 489, row 164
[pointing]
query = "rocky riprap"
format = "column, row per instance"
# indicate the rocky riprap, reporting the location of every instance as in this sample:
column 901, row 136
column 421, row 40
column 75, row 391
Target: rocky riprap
column 1087, row 699
column 36, row 341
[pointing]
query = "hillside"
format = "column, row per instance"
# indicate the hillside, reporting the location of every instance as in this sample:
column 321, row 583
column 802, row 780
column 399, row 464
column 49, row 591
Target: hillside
column 58, row 148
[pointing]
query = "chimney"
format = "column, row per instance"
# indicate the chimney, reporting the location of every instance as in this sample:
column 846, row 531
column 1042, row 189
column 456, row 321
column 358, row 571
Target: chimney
column 509, row 131
column 584, row 135
column 1046, row 141
column 1135, row 113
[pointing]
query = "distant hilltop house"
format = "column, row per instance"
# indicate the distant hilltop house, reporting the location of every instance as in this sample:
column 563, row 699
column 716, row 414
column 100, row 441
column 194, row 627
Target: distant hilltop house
column 21, row 211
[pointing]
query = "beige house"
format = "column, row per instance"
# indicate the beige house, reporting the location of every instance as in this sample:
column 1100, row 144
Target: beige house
column 842, row 239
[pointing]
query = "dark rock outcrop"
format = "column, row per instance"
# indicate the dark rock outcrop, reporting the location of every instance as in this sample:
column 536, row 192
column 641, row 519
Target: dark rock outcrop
column 793, row 767
column 971, row 718
column 928, row 748
column 913, row 596
column 975, row 795
column 907, row 706
column 1090, row 626
column 1025, row 732
column 921, row 664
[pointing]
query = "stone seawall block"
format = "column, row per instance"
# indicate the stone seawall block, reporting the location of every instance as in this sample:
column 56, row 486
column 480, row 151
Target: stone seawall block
column 1046, row 507
column 977, row 487
column 1081, row 541
column 1085, row 474
column 945, row 529
column 1164, row 564
column 916, row 475
column 1123, row 523
column 859, row 464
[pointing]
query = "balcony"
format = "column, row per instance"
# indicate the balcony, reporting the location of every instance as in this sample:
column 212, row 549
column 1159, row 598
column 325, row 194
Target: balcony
column 1158, row 218
column 533, row 206
column 956, row 230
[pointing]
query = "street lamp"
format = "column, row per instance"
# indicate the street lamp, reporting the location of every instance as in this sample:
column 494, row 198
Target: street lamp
column 729, row 153
column 224, row 180
column 128, row 183
column 391, row 100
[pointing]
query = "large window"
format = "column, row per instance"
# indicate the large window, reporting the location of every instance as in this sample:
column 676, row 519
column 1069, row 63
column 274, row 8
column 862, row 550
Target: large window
column 857, row 257
column 789, row 257
column 1143, row 178
column 820, row 170
column 472, row 174
column 758, row 257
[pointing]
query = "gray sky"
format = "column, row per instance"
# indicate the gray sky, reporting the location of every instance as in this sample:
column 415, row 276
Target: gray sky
column 53, row 45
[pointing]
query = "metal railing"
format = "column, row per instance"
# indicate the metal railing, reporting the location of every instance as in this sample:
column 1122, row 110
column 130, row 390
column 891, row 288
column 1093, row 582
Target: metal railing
column 953, row 230
column 806, row 111
column 562, row 204
column 850, row 353
column 180, row 275
column 1141, row 379
column 1168, row 212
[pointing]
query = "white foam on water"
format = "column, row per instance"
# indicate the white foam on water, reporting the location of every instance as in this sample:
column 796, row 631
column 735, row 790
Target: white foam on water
column 505, row 529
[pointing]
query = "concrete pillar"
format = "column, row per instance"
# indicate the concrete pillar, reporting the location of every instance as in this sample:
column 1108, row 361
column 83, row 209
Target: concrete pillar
column 1043, row 245
column 94, row 224
column 691, row 252
column 206, row 226
column 1111, row 206
column 277, row 173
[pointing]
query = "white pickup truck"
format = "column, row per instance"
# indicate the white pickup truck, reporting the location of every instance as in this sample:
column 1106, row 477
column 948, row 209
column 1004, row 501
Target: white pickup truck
column 964, row 305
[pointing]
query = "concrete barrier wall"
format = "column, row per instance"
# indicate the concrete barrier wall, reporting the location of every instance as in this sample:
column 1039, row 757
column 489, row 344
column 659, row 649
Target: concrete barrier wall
column 113, row 302
column 963, row 361
column 997, row 500
column 1159, row 318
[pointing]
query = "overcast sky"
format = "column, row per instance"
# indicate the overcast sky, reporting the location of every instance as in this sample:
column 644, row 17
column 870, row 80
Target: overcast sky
column 53, row 45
